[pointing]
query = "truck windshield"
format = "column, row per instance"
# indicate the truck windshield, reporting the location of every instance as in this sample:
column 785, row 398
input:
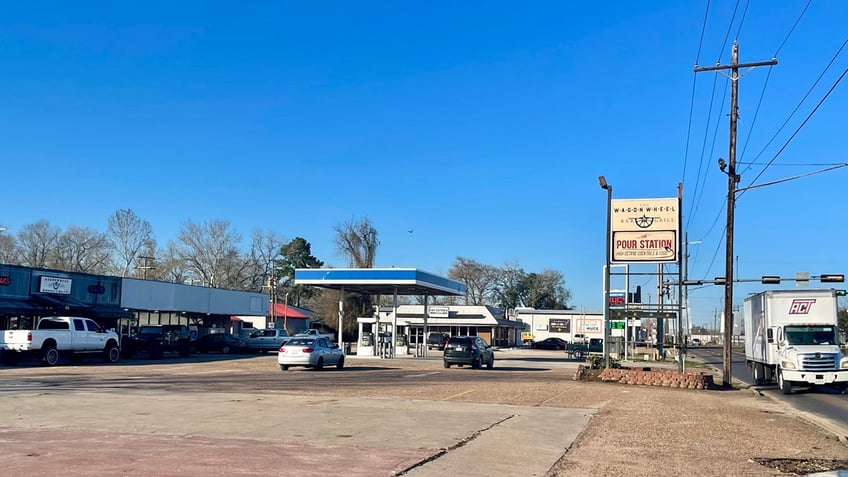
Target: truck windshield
column 811, row 335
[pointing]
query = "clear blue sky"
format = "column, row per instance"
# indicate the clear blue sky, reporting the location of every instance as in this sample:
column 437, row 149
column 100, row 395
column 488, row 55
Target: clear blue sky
column 481, row 126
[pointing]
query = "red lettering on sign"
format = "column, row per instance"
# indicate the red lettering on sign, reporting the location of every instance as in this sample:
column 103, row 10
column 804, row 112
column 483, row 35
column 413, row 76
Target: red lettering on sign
column 5, row 281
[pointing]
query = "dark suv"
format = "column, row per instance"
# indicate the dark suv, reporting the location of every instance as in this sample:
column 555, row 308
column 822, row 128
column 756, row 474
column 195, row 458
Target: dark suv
column 437, row 341
column 155, row 340
column 472, row 350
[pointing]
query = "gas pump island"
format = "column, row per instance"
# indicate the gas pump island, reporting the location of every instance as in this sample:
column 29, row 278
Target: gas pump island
column 380, row 281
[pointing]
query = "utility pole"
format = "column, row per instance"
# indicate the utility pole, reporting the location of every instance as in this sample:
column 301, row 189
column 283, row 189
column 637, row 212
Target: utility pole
column 732, row 180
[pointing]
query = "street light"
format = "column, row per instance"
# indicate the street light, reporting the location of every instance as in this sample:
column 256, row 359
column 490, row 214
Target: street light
column 603, row 183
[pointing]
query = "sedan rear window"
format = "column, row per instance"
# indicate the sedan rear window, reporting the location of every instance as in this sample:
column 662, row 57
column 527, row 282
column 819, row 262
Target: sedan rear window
column 300, row 342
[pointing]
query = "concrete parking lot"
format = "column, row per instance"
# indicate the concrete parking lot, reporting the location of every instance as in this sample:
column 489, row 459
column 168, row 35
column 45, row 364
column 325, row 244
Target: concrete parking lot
column 213, row 415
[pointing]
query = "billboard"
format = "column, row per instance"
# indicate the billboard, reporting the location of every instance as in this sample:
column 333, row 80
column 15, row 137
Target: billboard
column 644, row 230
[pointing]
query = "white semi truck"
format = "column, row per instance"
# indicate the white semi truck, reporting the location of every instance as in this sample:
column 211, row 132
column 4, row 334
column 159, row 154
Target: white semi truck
column 793, row 336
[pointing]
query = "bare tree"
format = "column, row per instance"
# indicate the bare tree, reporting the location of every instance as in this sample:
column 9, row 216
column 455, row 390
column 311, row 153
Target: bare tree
column 480, row 280
column 82, row 249
column 37, row 244
column 211, row 252
column 130, row 235
column 9, row 251
column 261, row 260
column 358, row 242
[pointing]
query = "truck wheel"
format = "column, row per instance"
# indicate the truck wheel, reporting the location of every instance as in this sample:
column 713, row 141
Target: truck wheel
column 447, row 365
column 50, row 355
column 578, row 354
column 759, row 374
column 111, row 353
column 784, row 385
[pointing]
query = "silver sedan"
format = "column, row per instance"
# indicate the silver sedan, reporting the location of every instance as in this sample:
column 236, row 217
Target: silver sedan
column 311, row 353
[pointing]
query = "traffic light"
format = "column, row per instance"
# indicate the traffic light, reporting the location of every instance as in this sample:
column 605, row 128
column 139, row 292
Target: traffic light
column 841, row 292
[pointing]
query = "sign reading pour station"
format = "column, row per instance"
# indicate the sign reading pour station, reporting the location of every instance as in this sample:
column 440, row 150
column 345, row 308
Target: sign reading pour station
column 644, row 230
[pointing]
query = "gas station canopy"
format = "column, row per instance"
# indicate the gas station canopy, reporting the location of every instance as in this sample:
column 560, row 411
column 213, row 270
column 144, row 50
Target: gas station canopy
column 379, row 281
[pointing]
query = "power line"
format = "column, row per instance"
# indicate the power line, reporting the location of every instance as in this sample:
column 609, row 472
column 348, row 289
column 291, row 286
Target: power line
column 800, row 103
column 793, row 28
column 799, row 128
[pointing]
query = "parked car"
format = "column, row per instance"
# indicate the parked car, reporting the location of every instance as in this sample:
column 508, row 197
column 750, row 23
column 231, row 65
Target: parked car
column 220, row 342
column 155, row 340
column 550, row 343
column 311, row 353
column 437, row 341
column 696, row 341
column 473, row 350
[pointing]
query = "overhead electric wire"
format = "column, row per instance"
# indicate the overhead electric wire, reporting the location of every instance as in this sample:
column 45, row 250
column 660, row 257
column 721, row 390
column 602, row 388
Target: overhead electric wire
column 797, row 130
column 793, row 28
column 800, row 103
column 698, row 179
column 692, row 98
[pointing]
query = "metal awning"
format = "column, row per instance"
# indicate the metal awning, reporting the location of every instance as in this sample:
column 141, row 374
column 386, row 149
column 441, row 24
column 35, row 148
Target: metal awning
column 10, row 306
column 379, row 281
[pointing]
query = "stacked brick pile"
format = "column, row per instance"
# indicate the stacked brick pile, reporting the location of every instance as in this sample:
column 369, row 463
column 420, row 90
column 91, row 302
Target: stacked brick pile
column 653, row 377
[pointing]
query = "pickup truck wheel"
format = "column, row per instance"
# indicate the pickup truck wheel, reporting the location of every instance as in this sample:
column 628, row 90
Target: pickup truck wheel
column 447, row 365
column 50, row 355
column 784, row 385
column 111, row 354
column 578, row 354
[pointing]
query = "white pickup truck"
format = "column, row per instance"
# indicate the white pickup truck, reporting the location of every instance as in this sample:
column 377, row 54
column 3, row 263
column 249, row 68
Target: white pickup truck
column 313, row 333
column 55, row 336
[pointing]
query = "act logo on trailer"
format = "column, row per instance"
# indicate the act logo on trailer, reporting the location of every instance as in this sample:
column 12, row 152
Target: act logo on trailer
column 801, row 306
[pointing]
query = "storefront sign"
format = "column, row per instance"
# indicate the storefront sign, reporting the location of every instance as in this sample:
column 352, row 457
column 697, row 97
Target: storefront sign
column 438, row 311
column 560, row 325
column 55, row 285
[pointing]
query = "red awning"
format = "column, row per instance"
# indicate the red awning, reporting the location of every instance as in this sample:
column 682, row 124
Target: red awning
column 282, row 310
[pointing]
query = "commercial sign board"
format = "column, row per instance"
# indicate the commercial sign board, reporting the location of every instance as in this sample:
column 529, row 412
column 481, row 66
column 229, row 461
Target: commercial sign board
column 55, row 285
column 644, row 230
column 438, row 311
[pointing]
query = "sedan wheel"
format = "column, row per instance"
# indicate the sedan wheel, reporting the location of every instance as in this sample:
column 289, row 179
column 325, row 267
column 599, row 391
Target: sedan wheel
column 226, row 350
column 340, row 364
column 284, row 367
column 320, row 363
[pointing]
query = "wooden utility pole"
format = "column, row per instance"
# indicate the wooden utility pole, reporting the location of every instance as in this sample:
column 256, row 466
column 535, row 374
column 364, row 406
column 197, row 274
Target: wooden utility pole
column 732, row 180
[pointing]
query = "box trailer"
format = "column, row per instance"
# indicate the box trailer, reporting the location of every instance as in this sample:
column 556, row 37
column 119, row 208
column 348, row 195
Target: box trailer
column 793, row 336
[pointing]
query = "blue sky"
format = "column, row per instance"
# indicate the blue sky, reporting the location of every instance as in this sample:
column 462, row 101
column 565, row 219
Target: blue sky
column 482, row 127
